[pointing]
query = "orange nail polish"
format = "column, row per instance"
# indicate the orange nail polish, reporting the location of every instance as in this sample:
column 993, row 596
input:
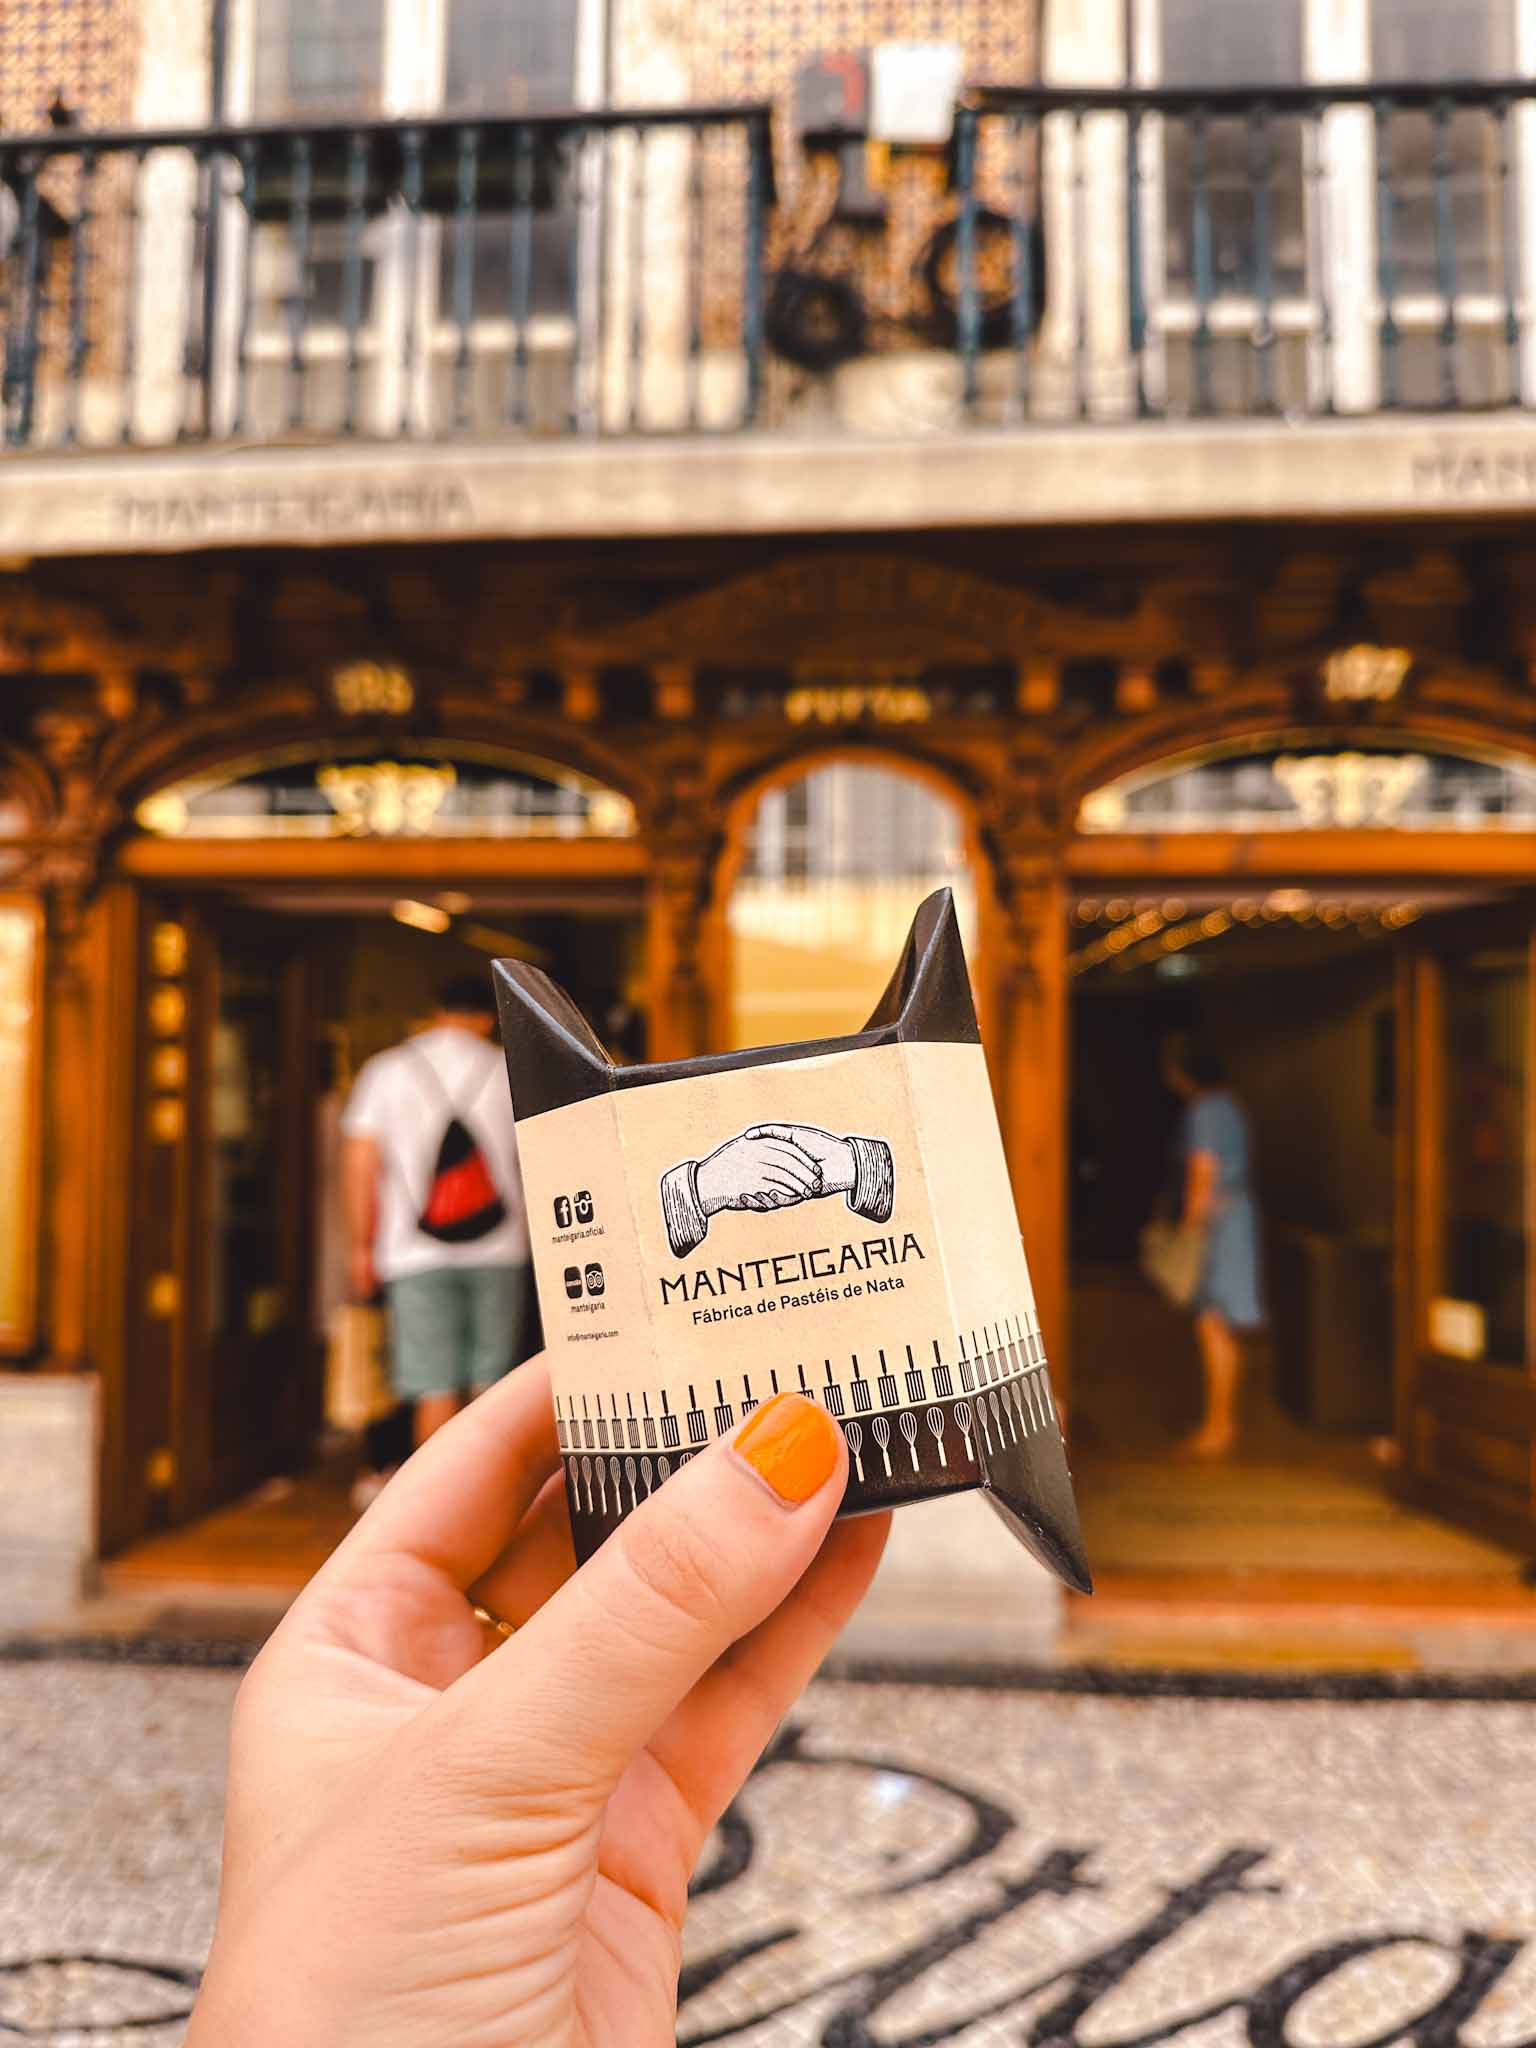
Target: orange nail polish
column 792, row 1444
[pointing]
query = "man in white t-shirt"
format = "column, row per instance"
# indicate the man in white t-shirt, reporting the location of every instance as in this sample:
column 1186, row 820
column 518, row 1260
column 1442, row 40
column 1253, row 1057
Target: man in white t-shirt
column 434, row 1201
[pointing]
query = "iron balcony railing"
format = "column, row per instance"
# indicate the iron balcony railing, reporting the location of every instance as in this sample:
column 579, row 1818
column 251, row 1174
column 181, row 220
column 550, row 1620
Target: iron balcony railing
column 561, row 272
column 1109, row 254
column 1160, row 253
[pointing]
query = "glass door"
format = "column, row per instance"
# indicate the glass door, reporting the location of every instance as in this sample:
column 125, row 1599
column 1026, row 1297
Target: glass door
column 1468, row 1370
column 222, row 1380
column 253, row 1383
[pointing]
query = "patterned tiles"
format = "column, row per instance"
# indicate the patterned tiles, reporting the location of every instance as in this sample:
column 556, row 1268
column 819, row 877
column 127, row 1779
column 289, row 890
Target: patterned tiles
column 751, row 50
column 914, row 1866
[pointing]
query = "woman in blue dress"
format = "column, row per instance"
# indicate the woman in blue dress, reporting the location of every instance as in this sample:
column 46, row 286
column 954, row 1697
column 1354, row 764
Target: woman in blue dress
column 1218, row 1195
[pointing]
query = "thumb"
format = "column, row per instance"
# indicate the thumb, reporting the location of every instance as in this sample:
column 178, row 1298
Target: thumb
column 588, row 1681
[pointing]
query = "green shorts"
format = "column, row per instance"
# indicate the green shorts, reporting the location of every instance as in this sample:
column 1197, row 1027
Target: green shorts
column 456, row 1329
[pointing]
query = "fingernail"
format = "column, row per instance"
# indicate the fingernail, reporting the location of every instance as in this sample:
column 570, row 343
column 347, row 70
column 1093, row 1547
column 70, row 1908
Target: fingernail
column 791, row 1444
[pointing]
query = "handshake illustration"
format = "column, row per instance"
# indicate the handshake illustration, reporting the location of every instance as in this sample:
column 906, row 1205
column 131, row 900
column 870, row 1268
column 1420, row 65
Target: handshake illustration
column 776, row 1166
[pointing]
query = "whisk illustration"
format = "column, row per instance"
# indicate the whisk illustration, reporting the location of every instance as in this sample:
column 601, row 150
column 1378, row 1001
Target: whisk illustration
column 964, row 1418
column 586, row 1476
column 981, row 1417
column 629, row 1475
column 880, row 1430
column 854, row 1431
column 909, row 1431
column 663, row 1469
column 645, row 1477
column 1002, row 1412
column 935, row 1420
column 1024, row 1400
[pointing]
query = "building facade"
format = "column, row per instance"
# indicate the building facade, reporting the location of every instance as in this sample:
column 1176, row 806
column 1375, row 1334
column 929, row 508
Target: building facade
column 518, row 468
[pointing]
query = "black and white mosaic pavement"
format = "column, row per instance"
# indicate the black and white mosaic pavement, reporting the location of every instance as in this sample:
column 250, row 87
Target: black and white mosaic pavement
column 915, row 1865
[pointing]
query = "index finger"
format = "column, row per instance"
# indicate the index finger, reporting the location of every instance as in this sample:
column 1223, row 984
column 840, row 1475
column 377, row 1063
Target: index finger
column 602, row 1665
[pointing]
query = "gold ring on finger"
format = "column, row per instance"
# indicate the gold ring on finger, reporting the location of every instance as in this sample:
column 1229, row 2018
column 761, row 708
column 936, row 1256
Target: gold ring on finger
column 494, row 1621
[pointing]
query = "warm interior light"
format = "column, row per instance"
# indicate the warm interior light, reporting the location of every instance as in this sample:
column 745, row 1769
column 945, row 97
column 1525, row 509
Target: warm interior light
column 422, row 917
column 1152, row 931
column 455, row 902
column 165, row 814
column 504, row 945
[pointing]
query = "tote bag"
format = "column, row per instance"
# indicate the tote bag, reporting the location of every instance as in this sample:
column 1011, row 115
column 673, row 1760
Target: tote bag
column 357, row 1388
column 1172, row 1256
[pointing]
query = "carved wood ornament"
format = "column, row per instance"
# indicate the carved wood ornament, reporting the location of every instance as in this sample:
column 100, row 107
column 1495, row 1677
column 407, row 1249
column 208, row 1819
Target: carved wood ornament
column 150, row 675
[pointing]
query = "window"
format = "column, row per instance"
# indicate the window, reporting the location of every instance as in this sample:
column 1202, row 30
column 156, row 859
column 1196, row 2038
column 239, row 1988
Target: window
column 329, row 59
column 19, row 1026
column 501, row 59
column 1484, row 1149
column 1427, row 40
column 428, row 791
column 836, row 862
column 1243, row 42
column 1256, row 44
column 1313, row 784
column 313, row 60
column 318, row 58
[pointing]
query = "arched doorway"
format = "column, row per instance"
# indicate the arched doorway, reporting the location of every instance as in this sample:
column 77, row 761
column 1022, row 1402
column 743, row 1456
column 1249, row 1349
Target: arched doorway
column 1346, row 918
column 287, row 914
column 834, row 857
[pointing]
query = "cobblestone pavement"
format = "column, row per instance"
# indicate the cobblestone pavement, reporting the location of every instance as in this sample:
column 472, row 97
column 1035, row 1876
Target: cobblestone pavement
column 914, row 1865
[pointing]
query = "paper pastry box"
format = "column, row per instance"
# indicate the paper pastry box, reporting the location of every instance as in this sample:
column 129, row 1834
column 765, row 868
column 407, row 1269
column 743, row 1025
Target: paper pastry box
column 832, row 1218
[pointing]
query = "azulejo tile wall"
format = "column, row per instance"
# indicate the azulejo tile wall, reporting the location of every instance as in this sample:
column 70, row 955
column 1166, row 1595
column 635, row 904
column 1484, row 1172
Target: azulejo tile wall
column 84, row 52
column 752, row 50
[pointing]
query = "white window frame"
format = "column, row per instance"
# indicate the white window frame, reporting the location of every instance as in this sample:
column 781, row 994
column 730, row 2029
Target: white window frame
column 1171, row 314
column 1339, row 214
column 1424, row 312
column 413, row 77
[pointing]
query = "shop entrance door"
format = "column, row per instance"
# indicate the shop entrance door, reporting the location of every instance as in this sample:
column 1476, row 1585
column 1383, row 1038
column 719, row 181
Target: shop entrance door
column 1467, row 1283
column 222, row 1377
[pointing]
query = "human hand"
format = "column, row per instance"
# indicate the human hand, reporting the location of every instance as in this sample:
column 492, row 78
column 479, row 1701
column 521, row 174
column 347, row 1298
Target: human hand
column 756, row 1171
column 832, row 1155
column 432, row 1838
column 362, row 1274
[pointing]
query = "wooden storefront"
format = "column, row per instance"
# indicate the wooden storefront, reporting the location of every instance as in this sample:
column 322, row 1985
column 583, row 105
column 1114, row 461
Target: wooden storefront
column 687, row 679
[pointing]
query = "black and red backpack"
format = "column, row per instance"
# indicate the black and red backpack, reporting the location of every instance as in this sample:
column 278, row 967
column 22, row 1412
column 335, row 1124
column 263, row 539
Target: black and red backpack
column 463, row 1201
